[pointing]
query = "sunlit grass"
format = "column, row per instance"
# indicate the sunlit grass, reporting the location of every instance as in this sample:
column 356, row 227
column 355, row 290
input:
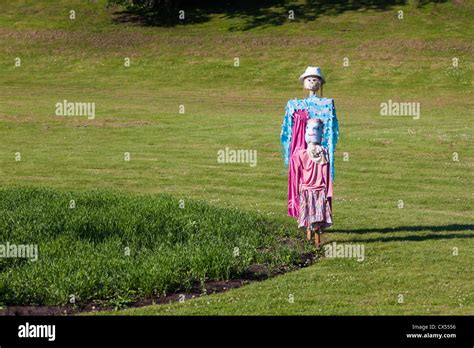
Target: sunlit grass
column 390, row 159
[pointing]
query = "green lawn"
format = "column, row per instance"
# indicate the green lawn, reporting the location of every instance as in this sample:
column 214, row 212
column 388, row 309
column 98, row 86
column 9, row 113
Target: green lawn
column 137, row 111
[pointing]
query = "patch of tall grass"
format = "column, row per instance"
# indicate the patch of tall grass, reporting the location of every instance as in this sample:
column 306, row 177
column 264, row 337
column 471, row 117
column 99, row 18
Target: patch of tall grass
column 108, row 245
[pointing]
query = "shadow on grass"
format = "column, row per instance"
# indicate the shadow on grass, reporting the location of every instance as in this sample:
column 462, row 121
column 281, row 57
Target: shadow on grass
column 254, row 14
column 417, row 238
column 445, row 228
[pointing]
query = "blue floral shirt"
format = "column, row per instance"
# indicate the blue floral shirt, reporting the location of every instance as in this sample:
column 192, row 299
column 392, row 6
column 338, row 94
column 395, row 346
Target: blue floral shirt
column 322, row 108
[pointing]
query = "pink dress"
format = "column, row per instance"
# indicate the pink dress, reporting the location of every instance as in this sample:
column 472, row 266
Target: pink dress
column 315, row 191
column 300, row 117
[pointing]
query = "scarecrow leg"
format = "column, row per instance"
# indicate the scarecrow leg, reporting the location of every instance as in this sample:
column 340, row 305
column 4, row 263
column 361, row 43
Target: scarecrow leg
column 317, row 238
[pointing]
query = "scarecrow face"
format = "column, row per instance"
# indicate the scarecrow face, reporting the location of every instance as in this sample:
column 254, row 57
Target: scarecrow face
column 314, row 131
column 312, row 83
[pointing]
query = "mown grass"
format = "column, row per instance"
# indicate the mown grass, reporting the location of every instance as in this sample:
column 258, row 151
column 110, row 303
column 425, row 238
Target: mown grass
column 389, row 158
column 105, row 246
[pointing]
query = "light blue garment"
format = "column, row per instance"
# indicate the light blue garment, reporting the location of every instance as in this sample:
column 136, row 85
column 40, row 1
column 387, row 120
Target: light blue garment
column 322, row 108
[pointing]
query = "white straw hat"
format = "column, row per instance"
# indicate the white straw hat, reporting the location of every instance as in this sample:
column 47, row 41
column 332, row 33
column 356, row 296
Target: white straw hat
column 313, row 71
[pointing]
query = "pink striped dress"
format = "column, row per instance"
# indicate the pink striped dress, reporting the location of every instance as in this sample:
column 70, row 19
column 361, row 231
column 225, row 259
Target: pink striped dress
column 315, row 191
